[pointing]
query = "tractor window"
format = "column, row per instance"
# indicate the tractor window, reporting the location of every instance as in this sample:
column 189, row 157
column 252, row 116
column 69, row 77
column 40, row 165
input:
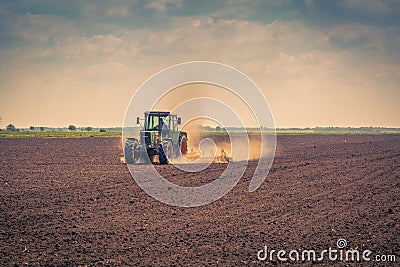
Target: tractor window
column 166, row 121
column 152, row 122
column 174, row 123
column 156, row 122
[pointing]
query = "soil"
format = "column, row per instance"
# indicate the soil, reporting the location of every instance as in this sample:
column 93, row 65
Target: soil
column 70, row 202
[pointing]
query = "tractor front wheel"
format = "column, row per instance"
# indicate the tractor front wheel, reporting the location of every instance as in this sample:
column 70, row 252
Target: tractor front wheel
column 162, row 158
column 165, row 152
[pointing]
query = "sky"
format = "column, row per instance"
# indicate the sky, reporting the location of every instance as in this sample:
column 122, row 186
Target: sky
column 318, row 63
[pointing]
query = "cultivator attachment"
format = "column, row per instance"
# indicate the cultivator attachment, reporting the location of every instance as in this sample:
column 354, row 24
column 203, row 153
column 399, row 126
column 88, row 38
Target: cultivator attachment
column 219, row 158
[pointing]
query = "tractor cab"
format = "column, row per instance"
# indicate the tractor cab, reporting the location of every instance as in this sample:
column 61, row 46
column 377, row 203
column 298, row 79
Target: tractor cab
column 161, row 121
column 159, row 126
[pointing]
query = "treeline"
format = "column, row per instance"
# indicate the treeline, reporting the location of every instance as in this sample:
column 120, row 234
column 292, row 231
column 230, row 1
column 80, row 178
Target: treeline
column 70, row 128
column 221, row 130
column 307, row 130
column 359, row 130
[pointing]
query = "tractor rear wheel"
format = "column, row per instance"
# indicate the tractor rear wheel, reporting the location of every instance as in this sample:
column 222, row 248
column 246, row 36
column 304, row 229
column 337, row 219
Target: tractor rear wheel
column 129, row 151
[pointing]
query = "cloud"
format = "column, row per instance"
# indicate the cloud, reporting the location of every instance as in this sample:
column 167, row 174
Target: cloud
column 162, row 5
column 309, row 4
column 371, row 7
column 300, row 67
column 34, row 29
column 118, row 11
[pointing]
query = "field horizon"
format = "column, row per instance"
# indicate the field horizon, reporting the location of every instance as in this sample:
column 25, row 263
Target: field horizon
column 206, row 130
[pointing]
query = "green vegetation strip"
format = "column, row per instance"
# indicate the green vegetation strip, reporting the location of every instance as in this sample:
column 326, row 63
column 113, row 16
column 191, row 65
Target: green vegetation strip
column 51, row 134
column 96, row 134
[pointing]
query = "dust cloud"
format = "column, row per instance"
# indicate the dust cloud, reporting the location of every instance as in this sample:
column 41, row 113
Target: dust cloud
column 219, row 146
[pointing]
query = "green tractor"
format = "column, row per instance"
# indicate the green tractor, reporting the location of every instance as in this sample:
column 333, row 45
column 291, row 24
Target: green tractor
column 159, row 141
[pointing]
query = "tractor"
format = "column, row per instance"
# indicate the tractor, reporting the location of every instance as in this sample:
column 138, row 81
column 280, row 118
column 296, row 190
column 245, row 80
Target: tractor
column 159, row 139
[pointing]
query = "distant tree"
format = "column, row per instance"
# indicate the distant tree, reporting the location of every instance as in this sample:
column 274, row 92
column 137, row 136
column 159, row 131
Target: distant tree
column 42, row 129
column 11, row 128
column 72, row 128
column 32, row 128
column 218, row 128
column 88, row 129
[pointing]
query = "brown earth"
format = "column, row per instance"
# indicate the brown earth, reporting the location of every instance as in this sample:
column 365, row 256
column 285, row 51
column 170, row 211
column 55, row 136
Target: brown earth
column 69, row 202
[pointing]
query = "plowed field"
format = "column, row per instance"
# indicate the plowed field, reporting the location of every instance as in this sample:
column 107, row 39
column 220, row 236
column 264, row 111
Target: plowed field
column 69, row 202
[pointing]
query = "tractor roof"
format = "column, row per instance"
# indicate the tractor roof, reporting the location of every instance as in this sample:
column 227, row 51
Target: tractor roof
column 160, row 113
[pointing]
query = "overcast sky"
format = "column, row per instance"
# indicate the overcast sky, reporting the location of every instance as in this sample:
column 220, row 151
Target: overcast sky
column 318, row 63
